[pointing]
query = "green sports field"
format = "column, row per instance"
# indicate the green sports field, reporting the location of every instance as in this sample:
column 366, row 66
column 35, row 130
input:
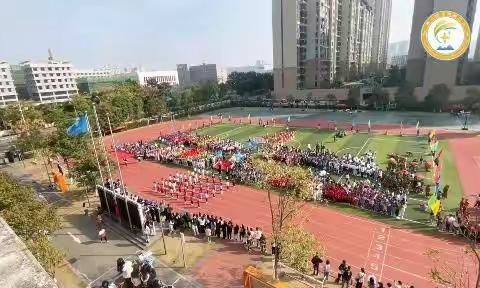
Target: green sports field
column 357, row 144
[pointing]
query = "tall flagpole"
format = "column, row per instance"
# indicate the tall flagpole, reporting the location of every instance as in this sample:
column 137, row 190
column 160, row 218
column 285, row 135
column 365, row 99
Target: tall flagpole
column 96, row 158
column 100, row 133
column 119, row 170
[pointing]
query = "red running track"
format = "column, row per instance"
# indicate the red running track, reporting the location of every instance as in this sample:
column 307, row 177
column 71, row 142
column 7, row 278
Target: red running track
column 388, row 252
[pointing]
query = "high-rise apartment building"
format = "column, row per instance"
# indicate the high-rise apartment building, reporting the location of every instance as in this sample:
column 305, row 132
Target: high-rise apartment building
column 381, row 34
column 50, row 82
column 423, row 70
column 8, row 94
column 316, row 42
column 356, row 38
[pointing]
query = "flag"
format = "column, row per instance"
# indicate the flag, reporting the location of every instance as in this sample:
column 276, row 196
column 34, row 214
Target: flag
column 431, row 135
column 369, row 125
column 436, row 207
column 401, row 126
column 79, row 127
column 211, row 118
column 432, row 200
column 418, row 125
column 248, row 116
column 288, row 120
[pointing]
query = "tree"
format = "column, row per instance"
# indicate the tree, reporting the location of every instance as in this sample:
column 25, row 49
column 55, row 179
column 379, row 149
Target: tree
column 31, row 219
column 395, row 77
column 250, row 82
column 353, row 99
column 456, row 275
column 379, row 98
column 32, row 117
column 298, row 246
column 472, row 101
column 438, row 97
column 285, row 205
column 186, row 100
column 405, row 96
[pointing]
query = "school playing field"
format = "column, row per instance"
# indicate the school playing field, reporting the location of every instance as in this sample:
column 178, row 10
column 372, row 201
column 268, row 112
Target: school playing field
column 389, row 248
column 357, row 144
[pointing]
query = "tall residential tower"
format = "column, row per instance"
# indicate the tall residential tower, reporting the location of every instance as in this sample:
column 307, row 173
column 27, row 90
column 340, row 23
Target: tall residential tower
column 423, row 70
column 316, row 42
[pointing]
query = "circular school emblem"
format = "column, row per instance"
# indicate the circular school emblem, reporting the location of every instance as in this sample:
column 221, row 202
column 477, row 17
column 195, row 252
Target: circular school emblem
column 446, row 35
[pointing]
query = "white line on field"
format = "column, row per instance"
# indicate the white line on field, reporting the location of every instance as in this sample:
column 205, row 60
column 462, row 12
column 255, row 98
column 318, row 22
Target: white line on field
column 226, row 133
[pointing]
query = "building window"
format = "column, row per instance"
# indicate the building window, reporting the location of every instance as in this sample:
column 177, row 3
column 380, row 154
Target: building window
column 64, row 74
column 34, row 69
column 59, row 80
column 42, row 69
column 47, row 86
column 44, row 75
column 40, row 87
column 38, row 81
column 36, row 75
column 51, row 74
column 58, row 74
column 61, row 86
column 3, row 90
column 4, row 76
column 49, row 68
column 3, row 69
column 54, row 86
column 45, row 81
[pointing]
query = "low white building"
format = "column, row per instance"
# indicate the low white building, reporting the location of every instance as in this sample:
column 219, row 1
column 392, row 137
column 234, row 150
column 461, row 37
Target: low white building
column 170, row 77
column 50, row 82
column 92, row 73
column 8, row 93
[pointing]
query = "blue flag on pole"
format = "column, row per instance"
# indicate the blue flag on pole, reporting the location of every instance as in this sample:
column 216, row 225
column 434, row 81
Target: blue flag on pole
column 79, row 127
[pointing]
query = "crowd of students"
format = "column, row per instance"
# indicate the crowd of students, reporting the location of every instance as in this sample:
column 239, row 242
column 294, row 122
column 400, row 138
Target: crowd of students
column 367, row 192
column 345, row 276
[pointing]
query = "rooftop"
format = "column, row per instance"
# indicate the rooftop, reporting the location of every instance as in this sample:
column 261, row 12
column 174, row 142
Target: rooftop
column 18, row 267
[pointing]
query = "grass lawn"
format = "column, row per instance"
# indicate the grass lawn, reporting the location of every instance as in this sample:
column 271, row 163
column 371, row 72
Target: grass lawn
column 357, row 144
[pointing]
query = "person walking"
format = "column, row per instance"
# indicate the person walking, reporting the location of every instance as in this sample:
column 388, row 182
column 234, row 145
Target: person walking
column 316, row 264
column 103, row 235
column 360, row 278
column 326, row 271
column 147, row 232
column 347, row 277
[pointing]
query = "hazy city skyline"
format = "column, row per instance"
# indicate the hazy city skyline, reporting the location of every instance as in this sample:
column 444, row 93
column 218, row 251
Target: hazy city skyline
column 151, row 34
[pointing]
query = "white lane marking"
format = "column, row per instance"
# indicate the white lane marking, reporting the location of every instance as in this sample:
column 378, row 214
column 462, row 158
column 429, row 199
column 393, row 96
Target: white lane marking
column 385, row 254
column 75, row 238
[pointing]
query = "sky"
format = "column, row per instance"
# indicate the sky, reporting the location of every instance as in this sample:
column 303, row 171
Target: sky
column 152, row 34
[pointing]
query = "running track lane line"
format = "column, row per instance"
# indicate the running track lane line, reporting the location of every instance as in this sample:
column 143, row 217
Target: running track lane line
column 385, row 253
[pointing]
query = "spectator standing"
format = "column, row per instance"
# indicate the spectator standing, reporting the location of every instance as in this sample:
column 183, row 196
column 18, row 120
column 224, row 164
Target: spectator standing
column 347, row 277
column 360, row 278
column 103, row 235
column 208, row 233
column 316, row 264
column 326, row 271
column 341, row 268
